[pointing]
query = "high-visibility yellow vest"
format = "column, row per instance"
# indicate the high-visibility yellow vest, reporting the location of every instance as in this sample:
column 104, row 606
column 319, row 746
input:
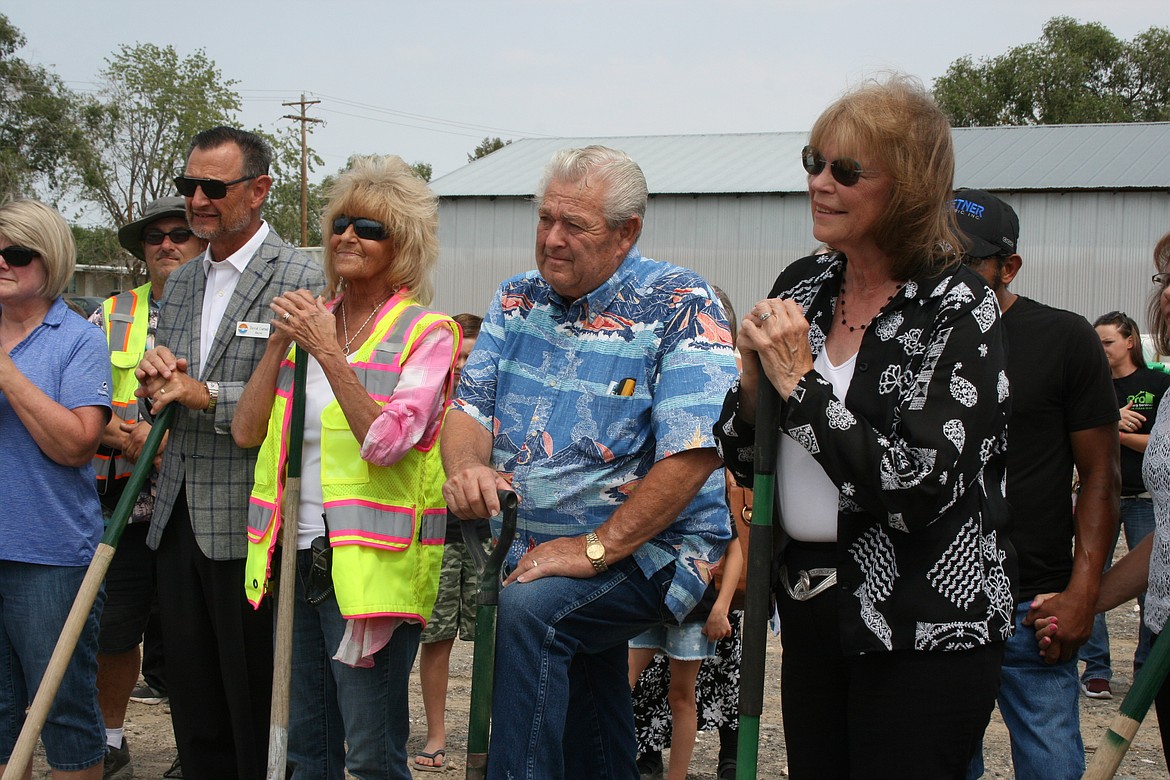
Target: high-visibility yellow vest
column 386, row 524
column 126, row 317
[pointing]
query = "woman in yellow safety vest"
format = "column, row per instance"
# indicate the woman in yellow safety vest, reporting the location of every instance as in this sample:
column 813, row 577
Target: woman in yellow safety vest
column 371, row 519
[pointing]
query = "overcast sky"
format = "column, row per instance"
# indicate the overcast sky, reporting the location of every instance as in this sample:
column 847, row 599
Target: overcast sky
column 428, row 80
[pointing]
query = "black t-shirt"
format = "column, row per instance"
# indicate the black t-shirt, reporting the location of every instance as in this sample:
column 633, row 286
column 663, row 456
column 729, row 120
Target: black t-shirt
column 1144, row 388
column 455, row 532
column 1060, row 384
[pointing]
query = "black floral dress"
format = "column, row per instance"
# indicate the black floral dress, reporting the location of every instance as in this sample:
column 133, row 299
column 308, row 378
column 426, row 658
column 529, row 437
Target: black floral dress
column 716, row 691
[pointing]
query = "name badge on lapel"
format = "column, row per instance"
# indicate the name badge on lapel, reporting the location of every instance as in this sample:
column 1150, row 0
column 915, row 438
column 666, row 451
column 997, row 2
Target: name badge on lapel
column 253, row 330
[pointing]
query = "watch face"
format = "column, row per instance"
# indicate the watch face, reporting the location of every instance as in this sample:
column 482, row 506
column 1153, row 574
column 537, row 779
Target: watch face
column 595, row 551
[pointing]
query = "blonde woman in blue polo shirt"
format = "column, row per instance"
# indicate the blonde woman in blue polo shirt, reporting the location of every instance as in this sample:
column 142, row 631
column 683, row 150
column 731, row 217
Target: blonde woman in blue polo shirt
column 54, row 402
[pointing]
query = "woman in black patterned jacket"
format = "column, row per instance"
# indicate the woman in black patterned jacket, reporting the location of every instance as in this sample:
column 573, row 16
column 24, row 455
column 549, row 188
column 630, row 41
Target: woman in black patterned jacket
column 896, row 581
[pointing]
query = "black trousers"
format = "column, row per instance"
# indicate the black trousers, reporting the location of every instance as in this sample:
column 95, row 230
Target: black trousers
column 218, row 658
column 900, row 715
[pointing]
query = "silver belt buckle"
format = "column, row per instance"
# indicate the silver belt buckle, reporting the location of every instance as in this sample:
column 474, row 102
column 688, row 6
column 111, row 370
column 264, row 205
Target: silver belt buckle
column 804, row 590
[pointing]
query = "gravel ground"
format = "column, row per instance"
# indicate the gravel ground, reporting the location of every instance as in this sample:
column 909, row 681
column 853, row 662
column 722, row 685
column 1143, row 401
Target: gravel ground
column 152, row 742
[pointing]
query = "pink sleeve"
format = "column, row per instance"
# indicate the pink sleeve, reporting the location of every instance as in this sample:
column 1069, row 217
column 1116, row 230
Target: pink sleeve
column 415, row 410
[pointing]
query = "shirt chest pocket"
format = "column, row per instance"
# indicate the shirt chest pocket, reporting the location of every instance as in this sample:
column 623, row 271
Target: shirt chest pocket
column 614, row 426
column 341, row 459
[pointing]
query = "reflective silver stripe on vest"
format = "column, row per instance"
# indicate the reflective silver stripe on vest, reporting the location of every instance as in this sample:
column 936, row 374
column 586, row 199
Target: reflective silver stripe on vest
column 284, row 379
column 394, row 526
column 259, row 517
column 434, row 526
column 119, row 325
column 380, row 374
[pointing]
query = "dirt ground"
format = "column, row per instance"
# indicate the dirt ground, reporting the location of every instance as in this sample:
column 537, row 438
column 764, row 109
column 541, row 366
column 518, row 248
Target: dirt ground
column 152, row 742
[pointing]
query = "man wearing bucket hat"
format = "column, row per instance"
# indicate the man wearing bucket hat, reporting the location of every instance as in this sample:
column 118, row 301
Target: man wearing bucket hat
column 1062, row 415
column 162, row 239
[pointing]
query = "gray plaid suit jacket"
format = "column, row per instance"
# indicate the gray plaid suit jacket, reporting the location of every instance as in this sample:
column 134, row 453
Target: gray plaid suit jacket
column 200, row 451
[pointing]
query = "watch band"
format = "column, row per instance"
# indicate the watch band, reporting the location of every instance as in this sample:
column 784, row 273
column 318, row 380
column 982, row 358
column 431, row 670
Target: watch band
column 599, row 563
column 212, row 396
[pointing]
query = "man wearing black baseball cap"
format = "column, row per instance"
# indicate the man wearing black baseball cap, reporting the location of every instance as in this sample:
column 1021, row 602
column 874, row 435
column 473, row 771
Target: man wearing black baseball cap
column 1064, row 413
column 162, row 239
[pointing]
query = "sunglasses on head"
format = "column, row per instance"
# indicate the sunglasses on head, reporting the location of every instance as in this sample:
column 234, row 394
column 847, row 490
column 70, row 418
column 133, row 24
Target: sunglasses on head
column 214, row 189
column 177, row 236
column 369, row 229
column 18, row 256
column 846, row 171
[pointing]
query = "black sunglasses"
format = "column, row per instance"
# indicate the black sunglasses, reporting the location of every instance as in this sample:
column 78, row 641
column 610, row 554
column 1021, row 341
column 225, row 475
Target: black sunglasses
column 846, row 170
column 177, row 236
column 18, row 256
column 369, row 229
column 214, row 189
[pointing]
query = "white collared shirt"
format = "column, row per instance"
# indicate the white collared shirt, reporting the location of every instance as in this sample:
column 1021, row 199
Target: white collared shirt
column 222, row 277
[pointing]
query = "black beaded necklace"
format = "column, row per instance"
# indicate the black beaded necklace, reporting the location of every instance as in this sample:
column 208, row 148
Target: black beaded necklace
column 863, row 326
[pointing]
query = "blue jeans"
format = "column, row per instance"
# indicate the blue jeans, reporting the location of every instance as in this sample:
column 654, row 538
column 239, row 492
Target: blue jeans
column 561, row 705
column 333, row 705
column 1137, row 518
column 1040, row 707
column 34, row 602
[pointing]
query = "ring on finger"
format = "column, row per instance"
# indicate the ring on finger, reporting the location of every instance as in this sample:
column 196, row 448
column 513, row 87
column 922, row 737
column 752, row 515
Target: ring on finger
column 162, row 391
column 286, row 316
column 764, row 316
column 534, row 564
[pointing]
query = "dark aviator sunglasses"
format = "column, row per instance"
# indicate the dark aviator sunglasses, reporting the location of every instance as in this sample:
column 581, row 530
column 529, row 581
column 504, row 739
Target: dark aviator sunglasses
column 18, row 256
column 369, row 229
column 846, row 171
column 214, row 189
column 177, row 236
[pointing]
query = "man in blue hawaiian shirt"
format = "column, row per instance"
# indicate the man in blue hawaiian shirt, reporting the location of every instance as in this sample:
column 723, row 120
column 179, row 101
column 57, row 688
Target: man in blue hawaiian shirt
column 591, row 392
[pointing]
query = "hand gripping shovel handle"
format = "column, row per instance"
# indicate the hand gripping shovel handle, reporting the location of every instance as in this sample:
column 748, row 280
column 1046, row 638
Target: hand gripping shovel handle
column 83, row 603
column 290, row 504
column 1117, row 738
column 488, row 566
column 759, row 581
column 484, row 659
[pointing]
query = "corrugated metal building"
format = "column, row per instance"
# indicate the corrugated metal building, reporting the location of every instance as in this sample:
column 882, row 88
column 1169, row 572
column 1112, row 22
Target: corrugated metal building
column 1092, row 199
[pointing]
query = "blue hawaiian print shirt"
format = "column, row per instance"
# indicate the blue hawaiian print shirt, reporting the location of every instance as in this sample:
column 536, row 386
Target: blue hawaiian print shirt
column 582, row 398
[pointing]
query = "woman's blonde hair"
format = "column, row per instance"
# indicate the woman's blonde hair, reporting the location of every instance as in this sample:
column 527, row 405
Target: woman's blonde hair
column 902, row 131
column 387, row 190
column 32, row 224
column 1158, row 324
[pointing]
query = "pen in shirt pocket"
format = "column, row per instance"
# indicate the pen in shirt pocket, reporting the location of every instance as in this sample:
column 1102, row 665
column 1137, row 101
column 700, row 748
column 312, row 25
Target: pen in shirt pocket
column 623, row 387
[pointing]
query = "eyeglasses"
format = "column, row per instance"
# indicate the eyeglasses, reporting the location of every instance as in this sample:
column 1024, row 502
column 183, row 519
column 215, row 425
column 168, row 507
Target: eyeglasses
column 1162, row 279
column 845, row 170
column 369, row 229
column 18, row 256
column 177, row 236
column 214, row 189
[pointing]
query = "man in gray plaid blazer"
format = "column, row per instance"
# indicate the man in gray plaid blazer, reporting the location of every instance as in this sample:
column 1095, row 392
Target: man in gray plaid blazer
column 212, row 330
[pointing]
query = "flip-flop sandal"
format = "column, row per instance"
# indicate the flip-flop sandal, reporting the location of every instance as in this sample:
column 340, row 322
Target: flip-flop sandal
column 431, row 756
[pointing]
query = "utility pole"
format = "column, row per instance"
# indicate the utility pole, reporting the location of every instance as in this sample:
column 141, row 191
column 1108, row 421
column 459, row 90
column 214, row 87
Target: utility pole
column 304, row 120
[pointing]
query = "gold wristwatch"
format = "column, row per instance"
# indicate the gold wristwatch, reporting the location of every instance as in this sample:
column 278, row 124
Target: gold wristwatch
column 595, row 552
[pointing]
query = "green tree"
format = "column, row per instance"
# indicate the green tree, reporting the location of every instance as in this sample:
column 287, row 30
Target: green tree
column 39, row 131
column 1076, row 73
column 151, row 102
column 283, row 208
column 486, row 147
column 99, row 246
column 423, row 170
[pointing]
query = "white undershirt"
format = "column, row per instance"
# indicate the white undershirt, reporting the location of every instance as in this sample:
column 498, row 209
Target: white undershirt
column 318, row 395
column 222, row 276
column 808, row 499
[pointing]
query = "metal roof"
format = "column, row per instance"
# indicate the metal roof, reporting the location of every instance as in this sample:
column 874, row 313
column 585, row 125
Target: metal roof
column 1034, row 157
